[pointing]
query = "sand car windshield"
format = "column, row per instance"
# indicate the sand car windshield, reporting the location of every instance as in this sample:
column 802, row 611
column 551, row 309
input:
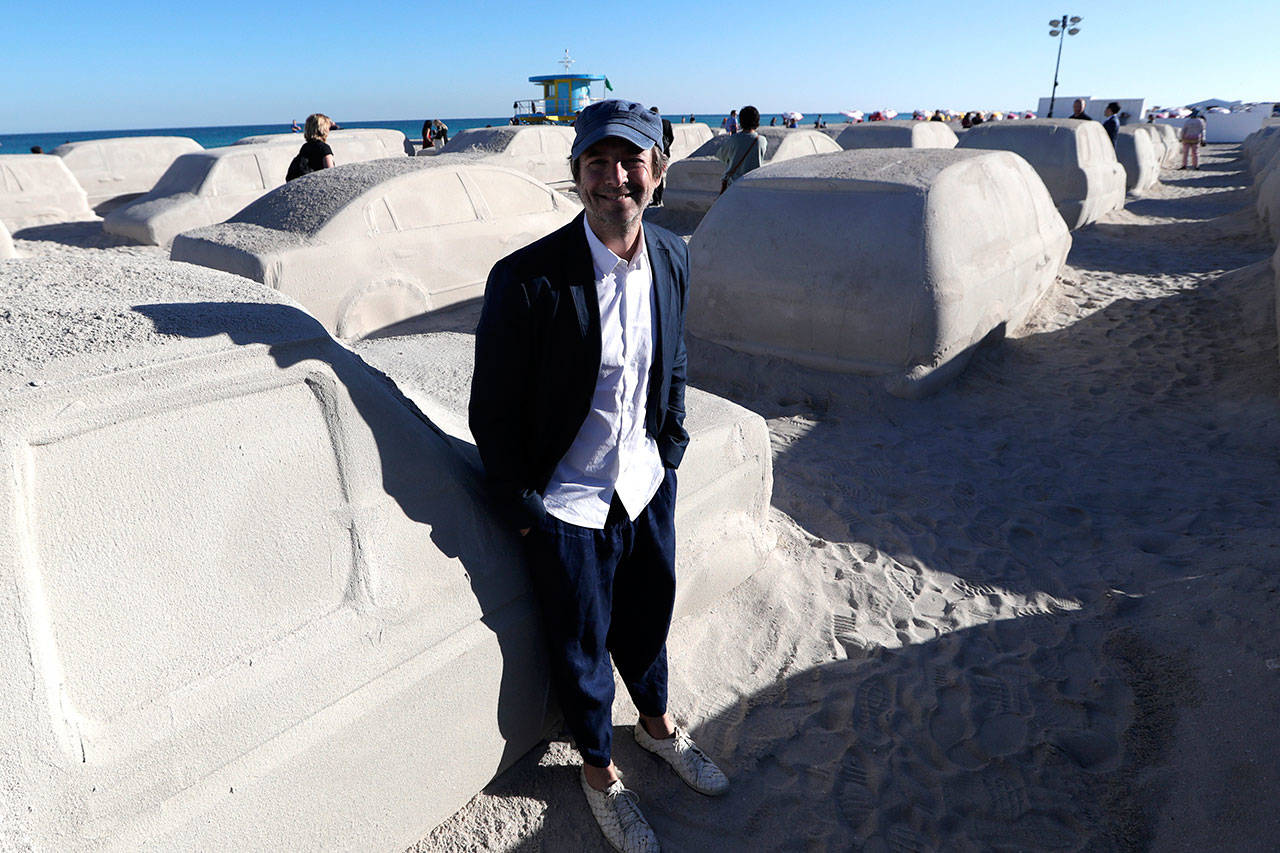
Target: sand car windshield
column 184, row 175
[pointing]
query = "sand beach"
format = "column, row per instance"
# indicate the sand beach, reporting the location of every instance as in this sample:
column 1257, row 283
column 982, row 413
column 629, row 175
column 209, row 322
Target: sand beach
column 1035, row 611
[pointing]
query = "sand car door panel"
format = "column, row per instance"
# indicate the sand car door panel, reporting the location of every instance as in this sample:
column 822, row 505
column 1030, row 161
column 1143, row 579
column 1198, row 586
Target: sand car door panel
column 438, row 236
column 516, row 210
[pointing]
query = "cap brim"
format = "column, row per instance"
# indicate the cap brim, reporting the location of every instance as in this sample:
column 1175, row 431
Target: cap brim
column 616, row 129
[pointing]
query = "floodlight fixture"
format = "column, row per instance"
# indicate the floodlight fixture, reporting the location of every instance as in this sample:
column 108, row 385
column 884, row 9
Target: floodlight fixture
column 1060, row 28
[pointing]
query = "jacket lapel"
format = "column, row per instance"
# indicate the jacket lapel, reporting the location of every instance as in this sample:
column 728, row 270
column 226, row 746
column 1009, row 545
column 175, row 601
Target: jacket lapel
column 581, row 277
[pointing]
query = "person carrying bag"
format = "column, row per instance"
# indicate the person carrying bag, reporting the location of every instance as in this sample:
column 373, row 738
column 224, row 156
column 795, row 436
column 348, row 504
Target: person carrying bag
column 753, row 147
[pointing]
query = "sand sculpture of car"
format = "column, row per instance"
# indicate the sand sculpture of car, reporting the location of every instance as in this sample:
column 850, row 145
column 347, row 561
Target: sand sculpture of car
column 209, row 186
column 1140, row 151
column 1075, row 159
column 897, row 134
column 366, row 245
column 200, row 189
column 726, row 478
column 1265, row 160
column 253, row 599
column 689, row 137
column 6, row 244
column 891, row 262
column 113, row 171
column 539, row 150
column 36, row 189
column 694, row 182
column 1172, row 147
column 350, row 145
column 1260, row 146
column 1268, row 204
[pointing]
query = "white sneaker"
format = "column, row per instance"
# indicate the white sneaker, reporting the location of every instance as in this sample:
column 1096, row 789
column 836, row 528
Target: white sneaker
column 617, row 810
column 690, row 763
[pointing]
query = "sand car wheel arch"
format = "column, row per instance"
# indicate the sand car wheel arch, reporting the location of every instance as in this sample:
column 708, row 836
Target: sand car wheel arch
column 380, row 304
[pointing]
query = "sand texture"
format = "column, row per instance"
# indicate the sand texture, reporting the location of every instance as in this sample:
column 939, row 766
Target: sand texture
column 1036, row 611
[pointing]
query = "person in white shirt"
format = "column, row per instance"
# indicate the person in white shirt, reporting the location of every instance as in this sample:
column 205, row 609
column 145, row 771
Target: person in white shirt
column 1192, row 137
column 577, row 408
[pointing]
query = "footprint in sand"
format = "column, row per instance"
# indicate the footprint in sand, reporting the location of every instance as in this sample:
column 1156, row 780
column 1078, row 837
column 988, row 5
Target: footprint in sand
column 854, row 793
column 870, row 703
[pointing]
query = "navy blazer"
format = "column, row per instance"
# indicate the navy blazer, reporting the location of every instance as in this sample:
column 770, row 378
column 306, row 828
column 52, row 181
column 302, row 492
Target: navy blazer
column 538, row 359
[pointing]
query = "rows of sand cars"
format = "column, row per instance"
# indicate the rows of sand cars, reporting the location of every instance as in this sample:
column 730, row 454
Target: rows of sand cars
column 312, row 573
column 315, row 633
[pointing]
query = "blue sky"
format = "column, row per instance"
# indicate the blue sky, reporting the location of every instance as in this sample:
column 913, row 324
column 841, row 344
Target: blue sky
column 106, row 65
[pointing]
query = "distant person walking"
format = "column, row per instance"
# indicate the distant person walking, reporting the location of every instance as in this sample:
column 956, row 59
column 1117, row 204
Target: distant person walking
column 315, row 154
column 1192, row 136
column 294, row 128
column 731, row 123
column 1077, row 111
column 440, row 130
column 1111, row 124
column 743, row 151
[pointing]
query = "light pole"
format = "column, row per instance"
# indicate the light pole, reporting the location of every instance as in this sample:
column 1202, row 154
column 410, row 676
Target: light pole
column 1059, row 28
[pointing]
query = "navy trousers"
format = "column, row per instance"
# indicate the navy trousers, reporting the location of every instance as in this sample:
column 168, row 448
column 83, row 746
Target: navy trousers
column 607, row 592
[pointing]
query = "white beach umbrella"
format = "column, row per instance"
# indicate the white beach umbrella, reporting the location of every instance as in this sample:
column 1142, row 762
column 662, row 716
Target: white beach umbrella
column 889, row 113
column 853, row 114
column 793, row 115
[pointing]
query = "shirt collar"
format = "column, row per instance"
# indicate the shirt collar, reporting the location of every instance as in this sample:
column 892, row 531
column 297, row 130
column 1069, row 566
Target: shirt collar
column 605, row 261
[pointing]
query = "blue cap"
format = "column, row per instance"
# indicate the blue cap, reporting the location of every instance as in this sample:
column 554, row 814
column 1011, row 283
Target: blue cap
column 623, row 119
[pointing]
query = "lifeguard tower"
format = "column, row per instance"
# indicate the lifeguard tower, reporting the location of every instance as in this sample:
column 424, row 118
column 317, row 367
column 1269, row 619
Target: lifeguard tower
column 563, row 95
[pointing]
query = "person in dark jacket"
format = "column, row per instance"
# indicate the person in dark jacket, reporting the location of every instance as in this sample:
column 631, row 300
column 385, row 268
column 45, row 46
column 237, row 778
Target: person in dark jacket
column 668, row 137
column 1111, row 122
column 577, row 409
column 316, row 149
column 1077, row 111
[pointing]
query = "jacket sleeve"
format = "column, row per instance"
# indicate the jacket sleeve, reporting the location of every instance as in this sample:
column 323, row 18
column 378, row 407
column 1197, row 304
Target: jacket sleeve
column 499, row 388
column 675, row 438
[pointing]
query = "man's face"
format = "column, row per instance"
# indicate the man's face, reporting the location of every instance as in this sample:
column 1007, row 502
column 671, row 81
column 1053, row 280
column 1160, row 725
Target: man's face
column 1078, row 106
column 615, row 182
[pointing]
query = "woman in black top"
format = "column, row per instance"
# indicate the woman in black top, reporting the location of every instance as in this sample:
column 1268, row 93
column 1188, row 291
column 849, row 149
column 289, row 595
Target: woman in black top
column 317, row 151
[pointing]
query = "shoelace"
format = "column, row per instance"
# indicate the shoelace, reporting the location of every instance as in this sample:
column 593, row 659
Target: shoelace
column 685, row 744
column 627, row 811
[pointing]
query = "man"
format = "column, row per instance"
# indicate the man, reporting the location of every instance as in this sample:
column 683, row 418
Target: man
column 1077, row 110
column 577, row 408
column 668, row 137
column 1111, row 121
column 743, row 151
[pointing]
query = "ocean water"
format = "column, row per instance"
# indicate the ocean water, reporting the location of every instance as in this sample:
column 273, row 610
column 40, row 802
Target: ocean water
column 214, row 137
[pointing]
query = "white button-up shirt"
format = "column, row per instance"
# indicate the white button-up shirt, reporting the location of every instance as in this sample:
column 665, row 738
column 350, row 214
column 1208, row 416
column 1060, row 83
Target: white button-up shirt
column 612, row 452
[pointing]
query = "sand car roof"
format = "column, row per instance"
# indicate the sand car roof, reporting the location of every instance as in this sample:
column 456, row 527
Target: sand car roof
column 304, row 206
column 495, row 140
column 774, row 136
column 300, row 209
column 908, row 168
column 108, row 307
